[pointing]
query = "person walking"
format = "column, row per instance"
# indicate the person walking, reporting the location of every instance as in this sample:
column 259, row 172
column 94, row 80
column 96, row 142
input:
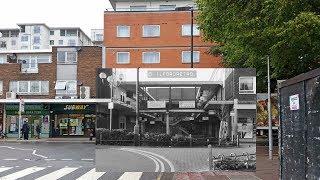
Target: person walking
column 38, row 130
column 25, row 130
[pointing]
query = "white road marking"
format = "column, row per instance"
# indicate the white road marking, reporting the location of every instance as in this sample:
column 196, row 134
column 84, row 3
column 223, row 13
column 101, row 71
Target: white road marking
column 9, row 159
column 34, row 153
column 131, row 176
column 154, row 159
column 57, row 174
column 86, row 159
column 22, row 173
column 66, row 159
column 4, row 168
column 91, row 175
column 50, row 159
column 162, row 157
column 27, row 159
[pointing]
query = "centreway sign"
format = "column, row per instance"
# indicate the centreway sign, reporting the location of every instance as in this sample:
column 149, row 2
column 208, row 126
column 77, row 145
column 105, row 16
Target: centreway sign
column 172, row 74
column 187, row 104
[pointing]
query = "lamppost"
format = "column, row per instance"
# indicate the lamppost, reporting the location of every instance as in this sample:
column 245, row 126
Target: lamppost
column 191, row 9
column 269, row 112
column 114, row 81
column 136, row 127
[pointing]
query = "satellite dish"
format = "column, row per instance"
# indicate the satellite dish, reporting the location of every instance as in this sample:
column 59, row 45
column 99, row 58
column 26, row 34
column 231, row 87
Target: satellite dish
column 102, row 75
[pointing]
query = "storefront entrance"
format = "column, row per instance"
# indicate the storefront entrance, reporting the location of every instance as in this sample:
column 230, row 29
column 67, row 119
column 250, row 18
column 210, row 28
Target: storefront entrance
column 73, row 120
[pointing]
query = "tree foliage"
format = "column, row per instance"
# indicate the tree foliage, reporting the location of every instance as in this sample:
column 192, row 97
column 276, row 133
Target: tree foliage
column 248, row 30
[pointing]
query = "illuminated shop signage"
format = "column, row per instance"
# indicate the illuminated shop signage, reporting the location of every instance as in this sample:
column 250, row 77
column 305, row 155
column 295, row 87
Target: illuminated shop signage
column 75, row 107
column 172, row 74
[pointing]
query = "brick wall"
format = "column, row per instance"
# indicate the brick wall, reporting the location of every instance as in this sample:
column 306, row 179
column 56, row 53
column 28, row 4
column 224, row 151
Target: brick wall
column 169, row 44
column 12, row 72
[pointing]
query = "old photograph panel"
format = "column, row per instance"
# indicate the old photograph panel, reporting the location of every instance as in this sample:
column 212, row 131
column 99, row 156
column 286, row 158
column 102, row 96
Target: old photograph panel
column 176, row 120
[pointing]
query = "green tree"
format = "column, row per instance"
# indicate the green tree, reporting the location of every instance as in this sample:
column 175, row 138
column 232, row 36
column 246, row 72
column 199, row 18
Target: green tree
column 248, row 30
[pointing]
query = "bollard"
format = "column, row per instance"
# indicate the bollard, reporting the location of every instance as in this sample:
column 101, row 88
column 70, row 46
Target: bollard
column 100, row 137
column 190, row 140
column 210, row 158
column 219, row 141
column 207, row 142
column 238, row 143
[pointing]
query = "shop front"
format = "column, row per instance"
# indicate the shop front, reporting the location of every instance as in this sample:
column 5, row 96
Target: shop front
column 73, row 119
column 1, row 118
column 34, row 114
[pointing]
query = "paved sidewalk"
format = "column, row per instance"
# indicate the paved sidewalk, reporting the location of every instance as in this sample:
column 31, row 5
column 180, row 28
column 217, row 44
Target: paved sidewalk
column 35, row 140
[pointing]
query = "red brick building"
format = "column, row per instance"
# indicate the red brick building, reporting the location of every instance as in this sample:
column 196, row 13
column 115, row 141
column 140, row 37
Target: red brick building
column 155, row 39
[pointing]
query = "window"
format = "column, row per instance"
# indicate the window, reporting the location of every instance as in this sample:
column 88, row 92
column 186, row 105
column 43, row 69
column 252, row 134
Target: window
column 151, row 31
column 186, row 56
column 24, row 38
column 123, row 31
column 51, row 42
column 3, row 44
column 52, row 33
column 247, row 85
column 29, row 64
column 23, row 28
column 1, row 87
column 36, row 29
column 29, row 87
column 99, row 37
column 60, row 42
column 167, row 7
column 71, row 42
column 66, row 87
column 36, row 39
column 36, row 47
column 3, row 59
column 71, row 32
column 62, row 32
column 5, row 33
column 24, row 47
column 138, row 8
column 151, row 57
column 122, row 122
column 186, row 30
column 123, row 57
column 67, row 57
column 13, row 42
column 14, row 34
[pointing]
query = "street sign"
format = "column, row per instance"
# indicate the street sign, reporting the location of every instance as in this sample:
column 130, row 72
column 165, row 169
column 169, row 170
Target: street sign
column 187, row 104
column 110, row 105
column 294, row 102
column 156, row 104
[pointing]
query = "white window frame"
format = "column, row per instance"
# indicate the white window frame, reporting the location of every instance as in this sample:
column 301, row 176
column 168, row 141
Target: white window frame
column 145, row 26
column 51, row 33
column 128, row 60
column 61, row 87
column 60, row 42
column 40, row 92
column 13, row 42
column 32, row 61
column 38, row 38
column 1, row 87
column 66, row 57
column 35, row 28
column 99, row 37
column 165, row 7
column 196, row 31
column 143, row 58
column 138, row 8
column 253, row 91
column 194, row 60
column 52, row 42
column 72, row 42
column 118, row 35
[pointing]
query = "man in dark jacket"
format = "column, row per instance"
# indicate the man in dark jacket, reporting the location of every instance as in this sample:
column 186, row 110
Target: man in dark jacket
column 38, row 130
column 25, row 130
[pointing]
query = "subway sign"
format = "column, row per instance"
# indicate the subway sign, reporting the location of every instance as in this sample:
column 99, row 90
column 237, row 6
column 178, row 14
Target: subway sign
column 75, row 107
column 172, row 74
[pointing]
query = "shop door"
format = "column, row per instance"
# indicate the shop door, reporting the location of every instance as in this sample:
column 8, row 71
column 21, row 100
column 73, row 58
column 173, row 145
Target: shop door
column 34, row 127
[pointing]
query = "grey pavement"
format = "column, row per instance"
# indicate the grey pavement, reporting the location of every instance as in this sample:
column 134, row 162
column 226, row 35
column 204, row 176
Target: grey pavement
column 182, row 159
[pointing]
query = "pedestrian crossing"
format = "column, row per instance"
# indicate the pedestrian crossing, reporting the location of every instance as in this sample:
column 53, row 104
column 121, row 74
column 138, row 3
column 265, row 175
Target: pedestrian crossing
column 89, row 173
column 49, row 173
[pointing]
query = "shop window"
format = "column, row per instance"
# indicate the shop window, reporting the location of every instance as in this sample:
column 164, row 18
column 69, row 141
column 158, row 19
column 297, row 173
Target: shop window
column 247, row 85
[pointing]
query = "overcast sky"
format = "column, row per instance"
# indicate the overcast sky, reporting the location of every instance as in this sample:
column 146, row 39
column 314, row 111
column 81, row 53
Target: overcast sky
column 86, row 14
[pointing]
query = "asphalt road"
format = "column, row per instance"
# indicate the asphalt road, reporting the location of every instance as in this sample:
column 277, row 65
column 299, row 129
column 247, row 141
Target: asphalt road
column 47, row 160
